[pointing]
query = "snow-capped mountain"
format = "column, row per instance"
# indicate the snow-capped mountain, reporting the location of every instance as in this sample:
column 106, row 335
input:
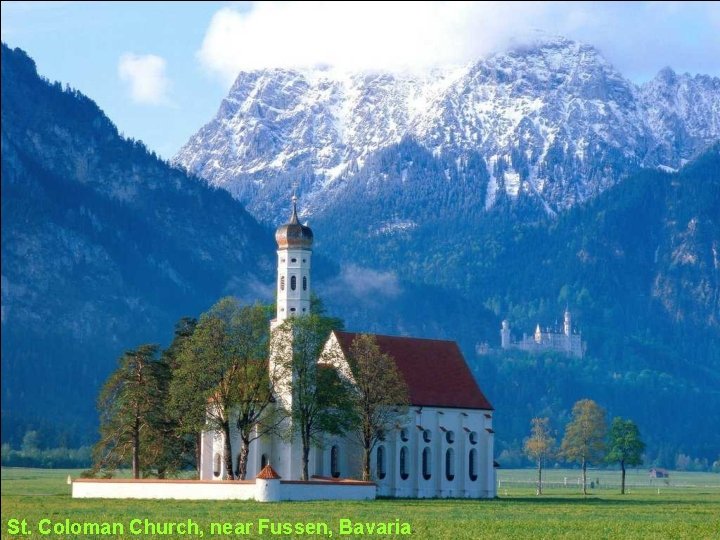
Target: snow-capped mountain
column 552, row 121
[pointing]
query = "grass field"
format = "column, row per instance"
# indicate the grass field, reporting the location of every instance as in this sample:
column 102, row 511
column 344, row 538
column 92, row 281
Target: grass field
column 689, row 508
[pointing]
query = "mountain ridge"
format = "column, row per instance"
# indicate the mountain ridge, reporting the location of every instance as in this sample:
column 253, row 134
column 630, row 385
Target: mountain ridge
column 552, row 121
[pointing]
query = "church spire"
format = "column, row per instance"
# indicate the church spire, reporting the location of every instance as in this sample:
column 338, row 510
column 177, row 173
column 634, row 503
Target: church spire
column 294, row 217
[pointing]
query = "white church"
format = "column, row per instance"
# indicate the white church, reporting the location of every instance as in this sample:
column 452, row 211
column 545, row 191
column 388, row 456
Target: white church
column 443, row 447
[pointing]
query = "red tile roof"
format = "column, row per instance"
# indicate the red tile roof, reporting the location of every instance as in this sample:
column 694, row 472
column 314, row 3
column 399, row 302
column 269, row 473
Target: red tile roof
column 268, row 473
column 434, row 370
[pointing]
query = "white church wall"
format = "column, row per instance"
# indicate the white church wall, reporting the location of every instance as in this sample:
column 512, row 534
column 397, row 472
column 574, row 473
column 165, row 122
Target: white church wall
column 438, row 422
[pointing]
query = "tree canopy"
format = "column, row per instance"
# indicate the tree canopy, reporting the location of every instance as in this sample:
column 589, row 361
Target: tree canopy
column 624, row 446
column 131, row 413
column 584, row 440
column 379, row 397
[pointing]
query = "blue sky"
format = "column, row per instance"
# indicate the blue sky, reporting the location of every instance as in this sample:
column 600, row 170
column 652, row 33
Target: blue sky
column 160, row 69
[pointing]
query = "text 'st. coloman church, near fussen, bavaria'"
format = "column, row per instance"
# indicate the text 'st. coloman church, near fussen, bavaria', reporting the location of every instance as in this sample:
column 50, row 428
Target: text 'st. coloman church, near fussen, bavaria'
column 444, row 448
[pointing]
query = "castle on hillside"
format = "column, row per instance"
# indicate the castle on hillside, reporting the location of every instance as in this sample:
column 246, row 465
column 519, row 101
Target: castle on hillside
column 566, row 340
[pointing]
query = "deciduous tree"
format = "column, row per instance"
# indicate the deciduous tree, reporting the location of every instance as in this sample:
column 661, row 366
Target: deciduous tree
column 584, row 440
column 624, row 446
column 223, row 377
column 379, row 395
column 540, row 446
column 319, row 402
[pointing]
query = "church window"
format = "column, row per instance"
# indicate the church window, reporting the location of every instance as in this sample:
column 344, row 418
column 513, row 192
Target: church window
column 450, row 437
column 404, row 463
column 426, row 465
column 282, row 283
column 216, row 468
column 293, row 283
column 450, row 464
column 303, row 260
column 304, row 283
column 473, row 437
column 335, row 462
column 293, row 260
column 472, row 458
column 263, row 461
column 381, row 462
column 427, row 435
column 292, row 310
column 404, row 435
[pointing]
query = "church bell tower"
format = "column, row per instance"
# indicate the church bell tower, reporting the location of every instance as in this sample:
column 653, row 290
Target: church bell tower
column 294, row 241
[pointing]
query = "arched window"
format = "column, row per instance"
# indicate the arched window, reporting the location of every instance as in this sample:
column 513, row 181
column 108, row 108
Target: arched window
column 263, row 461
column 282, row 283
column 472, row 459
column 404, row 435
column 426, row 465
column 450, row 437
column 293, row 283
column 404, row 463
column 335, row 462
column 427, row 435
column 216, row 468
column 381, row 462
column 473, row 437
column 304, row 283
column 450, row 464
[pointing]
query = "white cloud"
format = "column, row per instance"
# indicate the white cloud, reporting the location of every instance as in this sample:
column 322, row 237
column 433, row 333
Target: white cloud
column 401, row 35
column 145, row 75
column 366, row 283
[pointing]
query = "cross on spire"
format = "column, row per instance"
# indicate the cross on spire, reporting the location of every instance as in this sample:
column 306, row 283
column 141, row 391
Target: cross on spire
column 294, row 216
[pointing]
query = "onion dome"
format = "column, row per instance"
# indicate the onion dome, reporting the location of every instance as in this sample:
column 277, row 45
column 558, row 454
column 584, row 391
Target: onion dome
column 294, row 234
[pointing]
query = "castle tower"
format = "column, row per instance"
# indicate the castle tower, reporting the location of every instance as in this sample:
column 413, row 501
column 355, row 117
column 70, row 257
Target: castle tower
column 538, row 334
column 567, row 325
column 294, row 242
column 505, row 334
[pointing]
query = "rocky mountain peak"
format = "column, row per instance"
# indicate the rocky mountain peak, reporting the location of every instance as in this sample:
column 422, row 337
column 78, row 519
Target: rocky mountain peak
column 552, row 121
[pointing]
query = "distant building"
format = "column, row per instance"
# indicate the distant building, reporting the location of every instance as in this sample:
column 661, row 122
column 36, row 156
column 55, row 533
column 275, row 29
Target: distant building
column 566, row 340
column 659, row 473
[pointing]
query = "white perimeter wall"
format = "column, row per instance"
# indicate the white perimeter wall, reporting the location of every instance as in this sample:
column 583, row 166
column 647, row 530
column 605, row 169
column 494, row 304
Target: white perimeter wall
column 217, row 490
column 169, row 489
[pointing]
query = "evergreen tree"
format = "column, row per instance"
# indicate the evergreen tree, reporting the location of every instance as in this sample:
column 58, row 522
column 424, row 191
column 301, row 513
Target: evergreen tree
column 584, row 440
column 131, row 411
column 174, row 447
column 625, row 446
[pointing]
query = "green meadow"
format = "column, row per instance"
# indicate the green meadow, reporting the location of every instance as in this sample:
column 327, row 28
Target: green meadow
column 688, row 506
